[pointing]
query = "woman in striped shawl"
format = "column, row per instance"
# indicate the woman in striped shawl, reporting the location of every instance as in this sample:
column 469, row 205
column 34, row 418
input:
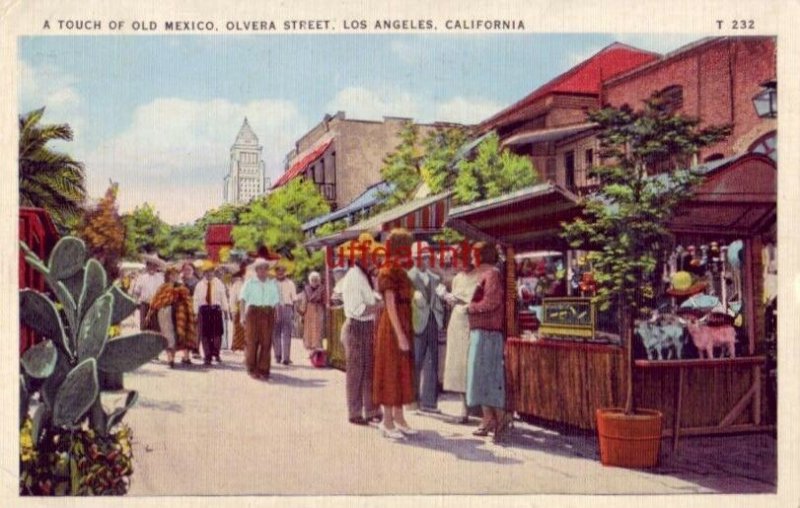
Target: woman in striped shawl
column 172, row 304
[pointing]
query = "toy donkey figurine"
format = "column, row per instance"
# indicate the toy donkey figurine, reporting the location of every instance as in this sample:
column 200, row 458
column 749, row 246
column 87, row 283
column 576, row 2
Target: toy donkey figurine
column 662, row 333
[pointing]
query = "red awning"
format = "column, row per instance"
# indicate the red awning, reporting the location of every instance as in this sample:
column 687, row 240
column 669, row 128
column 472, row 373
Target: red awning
column 219, row 234
column 301, row 165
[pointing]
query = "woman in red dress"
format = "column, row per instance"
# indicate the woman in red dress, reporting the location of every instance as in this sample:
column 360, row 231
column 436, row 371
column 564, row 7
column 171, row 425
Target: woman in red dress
column 393, row 375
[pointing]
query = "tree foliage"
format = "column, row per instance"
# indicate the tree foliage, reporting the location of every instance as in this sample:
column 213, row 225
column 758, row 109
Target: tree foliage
column 184, row 240
column 47, row 178
column 146, row 232
column 402, row 169
column 492, row 173
column 625, row 222
column 441, row 148
column 104, row 232
column 276, row 220
column 226, row 214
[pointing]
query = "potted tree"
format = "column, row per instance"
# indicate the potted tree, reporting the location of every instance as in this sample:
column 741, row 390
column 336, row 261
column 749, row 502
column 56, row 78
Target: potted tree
column 643, row 178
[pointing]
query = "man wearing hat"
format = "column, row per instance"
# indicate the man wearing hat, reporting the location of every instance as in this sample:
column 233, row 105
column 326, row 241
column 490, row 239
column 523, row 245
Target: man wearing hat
column 428, row 316
column 145, row 287
column 257, row 301
column 210, row 306
column 284, row 316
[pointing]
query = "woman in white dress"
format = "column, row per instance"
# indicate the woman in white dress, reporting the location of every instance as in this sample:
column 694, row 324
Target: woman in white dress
column 455, row 366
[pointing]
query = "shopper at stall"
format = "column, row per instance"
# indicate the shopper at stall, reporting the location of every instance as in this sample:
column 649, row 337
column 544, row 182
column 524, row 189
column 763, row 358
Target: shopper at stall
column 284, row 317
column 313, row 311
column 257, row 302
column 393, row 380
column 361, row 304
column 172, row 307
column 485, row 367
column 428, row 319
column 211, row 307
column 189, row 279
column 458, row 332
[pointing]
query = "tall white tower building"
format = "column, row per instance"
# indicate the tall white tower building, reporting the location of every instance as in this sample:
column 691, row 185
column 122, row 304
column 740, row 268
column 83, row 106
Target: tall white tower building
column 246, row 177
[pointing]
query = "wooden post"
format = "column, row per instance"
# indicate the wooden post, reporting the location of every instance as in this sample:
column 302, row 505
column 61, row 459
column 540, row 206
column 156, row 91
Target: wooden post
column 676, row 421
column 512, row 329
column 749, row 294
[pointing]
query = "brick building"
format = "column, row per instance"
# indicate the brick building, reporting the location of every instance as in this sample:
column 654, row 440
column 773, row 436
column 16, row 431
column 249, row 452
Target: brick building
column 343, row 157
column 549, row 125
column 714, row 79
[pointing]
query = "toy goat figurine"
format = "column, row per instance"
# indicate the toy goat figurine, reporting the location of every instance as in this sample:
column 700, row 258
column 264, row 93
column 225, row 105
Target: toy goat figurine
column 662, row 333
column 705, row 337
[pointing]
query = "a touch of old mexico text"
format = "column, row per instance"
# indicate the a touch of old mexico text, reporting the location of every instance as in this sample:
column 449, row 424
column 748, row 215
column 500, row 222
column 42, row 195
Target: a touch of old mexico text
column 289, row 25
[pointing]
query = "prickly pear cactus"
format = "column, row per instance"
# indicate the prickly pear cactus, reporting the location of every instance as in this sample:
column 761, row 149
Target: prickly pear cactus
column 63, row 369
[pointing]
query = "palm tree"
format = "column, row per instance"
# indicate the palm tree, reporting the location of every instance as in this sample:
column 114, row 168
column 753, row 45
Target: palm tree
column 49, row 179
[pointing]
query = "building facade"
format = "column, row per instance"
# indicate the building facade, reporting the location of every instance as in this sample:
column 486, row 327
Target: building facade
column 343, row 157
column 246, row 176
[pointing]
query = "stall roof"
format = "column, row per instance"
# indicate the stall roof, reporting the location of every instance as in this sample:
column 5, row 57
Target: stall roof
column 737, row 197
column 529, row 218
column 377, row 223
column 368, row 198
column 302, row 163
column 543, row 135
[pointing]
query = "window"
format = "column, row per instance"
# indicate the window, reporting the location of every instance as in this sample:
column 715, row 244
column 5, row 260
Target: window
column 671, row 98
column 766, row 144
column 714, row 157
column 569, row 170
column 550, row 169
column 588, row 159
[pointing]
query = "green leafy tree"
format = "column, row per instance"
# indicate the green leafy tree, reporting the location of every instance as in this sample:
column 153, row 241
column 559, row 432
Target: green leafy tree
column 146, row 232
column 226, row 214
column 402, row 169
column 47, row 178
column 625, row 222
column 441, row 148
column 492, row 173
column 330, row 228
column 184, row 240
column 276, row 220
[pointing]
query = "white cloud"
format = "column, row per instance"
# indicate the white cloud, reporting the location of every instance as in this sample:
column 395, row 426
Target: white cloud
column 48, row 86
column 371, row 104
column 175, row 152
column 467, row 110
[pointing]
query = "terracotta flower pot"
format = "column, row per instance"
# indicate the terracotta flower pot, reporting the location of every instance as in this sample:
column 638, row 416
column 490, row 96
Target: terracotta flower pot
column 629, row 440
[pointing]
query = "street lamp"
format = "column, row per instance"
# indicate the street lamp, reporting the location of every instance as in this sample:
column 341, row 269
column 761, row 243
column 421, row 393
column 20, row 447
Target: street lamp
column 766, row 101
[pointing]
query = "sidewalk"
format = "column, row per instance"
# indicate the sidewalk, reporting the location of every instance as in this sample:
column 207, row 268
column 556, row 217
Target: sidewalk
column 216, row 431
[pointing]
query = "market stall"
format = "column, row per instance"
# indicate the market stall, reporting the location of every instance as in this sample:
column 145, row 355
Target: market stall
column 423, row 217
column 570, row 363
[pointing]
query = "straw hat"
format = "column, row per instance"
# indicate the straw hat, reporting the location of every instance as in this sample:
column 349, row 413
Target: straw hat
column 259, row 262
column 683, row 285
column 358, row 243
column 207, row 265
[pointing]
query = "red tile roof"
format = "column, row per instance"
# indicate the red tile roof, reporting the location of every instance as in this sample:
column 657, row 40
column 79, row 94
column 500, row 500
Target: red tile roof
column 219, row 234
column 301, row 165
column 585, row 78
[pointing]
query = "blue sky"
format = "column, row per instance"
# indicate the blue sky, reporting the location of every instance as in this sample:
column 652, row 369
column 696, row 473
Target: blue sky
column 159, row 113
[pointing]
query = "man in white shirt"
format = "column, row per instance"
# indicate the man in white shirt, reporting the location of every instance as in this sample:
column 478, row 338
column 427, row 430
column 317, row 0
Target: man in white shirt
column 144, row 288
column 211, row 307
column 284, row 316
column 361, row 306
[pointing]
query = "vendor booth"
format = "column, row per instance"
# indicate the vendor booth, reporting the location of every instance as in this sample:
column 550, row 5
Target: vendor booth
column 563, row 356
column 423, row 217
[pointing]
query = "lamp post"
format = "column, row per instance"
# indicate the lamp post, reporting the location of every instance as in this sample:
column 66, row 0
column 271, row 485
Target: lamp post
column 766, row 101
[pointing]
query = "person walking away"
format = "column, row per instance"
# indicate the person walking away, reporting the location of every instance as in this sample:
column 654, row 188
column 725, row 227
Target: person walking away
column 190, row 280
column 428, row 318
column 172, row 304
column 313, row 312
column 485, row 368
column 455, row 362
column 257, row 301
column 237, row 344
column 211, row 306
column 393, row 376
column 361, row 304
column 145, row 287
column 284, row 318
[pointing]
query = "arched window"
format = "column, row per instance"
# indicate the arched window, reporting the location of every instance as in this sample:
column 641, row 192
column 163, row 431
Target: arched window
column 671, row 98
column 766, row 144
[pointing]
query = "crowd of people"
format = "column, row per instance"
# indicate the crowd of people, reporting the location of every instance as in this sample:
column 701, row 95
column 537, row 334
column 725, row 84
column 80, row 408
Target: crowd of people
column 394, row 317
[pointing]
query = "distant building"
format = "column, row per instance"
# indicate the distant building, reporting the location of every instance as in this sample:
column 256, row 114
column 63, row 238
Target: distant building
column 246, row 177
column 344, row 157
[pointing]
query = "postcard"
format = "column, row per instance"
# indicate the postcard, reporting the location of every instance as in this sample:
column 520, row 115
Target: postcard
column 513, row 254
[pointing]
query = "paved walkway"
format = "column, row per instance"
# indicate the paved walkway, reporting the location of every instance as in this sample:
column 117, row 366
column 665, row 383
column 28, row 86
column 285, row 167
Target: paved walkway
column 216, row 431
